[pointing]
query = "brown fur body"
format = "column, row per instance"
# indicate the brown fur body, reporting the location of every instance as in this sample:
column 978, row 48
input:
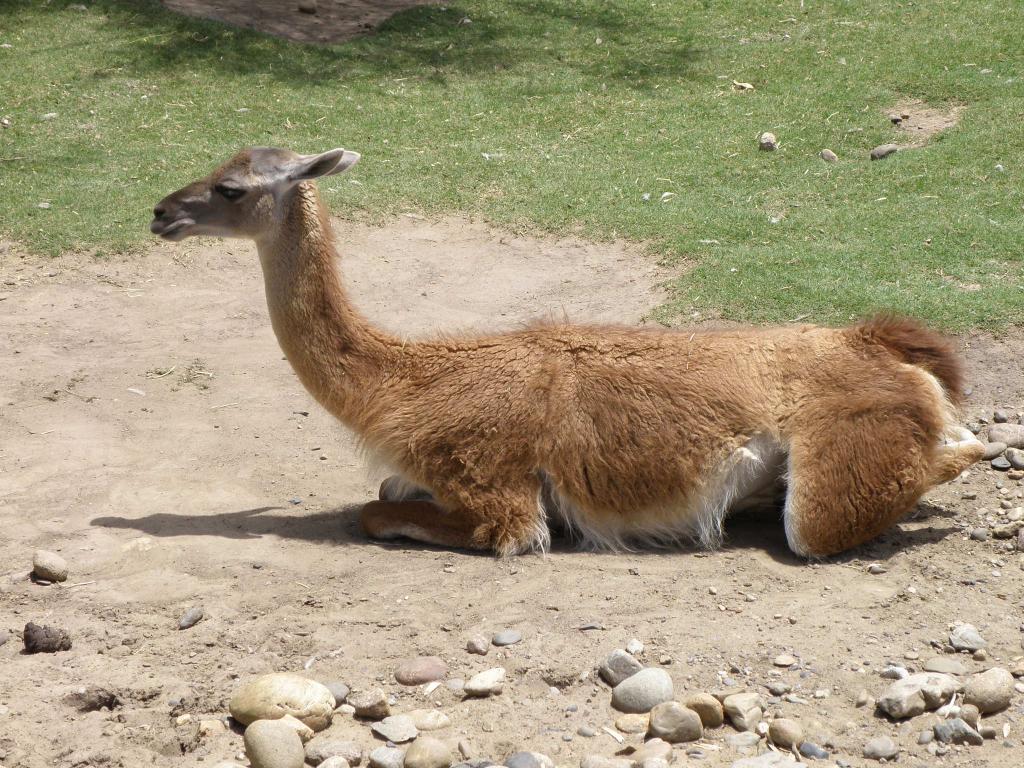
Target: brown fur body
column 626, row 434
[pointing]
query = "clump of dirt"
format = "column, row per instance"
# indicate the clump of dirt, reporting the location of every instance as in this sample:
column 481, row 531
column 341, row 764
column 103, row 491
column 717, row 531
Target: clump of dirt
column 920, row 122
column 333, row 21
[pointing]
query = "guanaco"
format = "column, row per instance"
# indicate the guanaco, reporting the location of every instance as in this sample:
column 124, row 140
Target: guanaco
column 624, row 436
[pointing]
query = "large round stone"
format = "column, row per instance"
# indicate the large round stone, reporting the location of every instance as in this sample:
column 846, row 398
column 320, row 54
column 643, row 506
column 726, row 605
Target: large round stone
column 273, row 744
column 707, row 707
column 424, row 669
column 989, row 691
column 675, row 723
column 273, row 696
column 428, row 752
column 643, row 691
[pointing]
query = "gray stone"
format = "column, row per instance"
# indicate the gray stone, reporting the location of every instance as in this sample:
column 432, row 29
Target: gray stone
column 979, row 534
column 423, row 669
column 964, row 637
column 675, row 723
column 925, row 737
column 881, row 748
column 396, row 729
column 992, row 450
column 600, row 761
column 767, row 142
column 478, row 645
column 307, row 6
column 339, row 691
column 883, row 151
column 486, row 683
column 327, row 745
column 812, row 751
column 428, row 752
column 1011, row 434
column 741, row 742
column 989, row 691
column 971, row 715
column 619, row 666
column 273, row 696
column 1000, row 464
column 273, row 744
column 999, row 416
column 947, row 665
column 767, row 760
column 506, row 637
column 529, row 760
column 643, row 691
column 785, row 733
column 1016, row 457
column 386, row 757
column 956, row 731
column 917, row 693
column 828, row 156
column 744, row 710
column 49, row 566
column 371, row 705
column 634, row 647
column 191, row 617
column 707, row 707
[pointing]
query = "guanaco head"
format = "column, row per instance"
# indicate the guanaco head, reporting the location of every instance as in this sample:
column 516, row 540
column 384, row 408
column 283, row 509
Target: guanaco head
column 246, row 197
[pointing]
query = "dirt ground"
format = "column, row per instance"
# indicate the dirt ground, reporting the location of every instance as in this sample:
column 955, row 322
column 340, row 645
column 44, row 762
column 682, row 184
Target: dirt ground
column 153, row 435
column 333, row 22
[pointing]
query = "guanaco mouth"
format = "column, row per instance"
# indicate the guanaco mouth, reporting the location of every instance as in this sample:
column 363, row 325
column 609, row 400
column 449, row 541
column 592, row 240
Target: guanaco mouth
column 171, row 230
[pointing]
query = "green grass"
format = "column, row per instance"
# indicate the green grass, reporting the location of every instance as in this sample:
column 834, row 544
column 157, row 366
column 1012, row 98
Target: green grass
column 583, row 106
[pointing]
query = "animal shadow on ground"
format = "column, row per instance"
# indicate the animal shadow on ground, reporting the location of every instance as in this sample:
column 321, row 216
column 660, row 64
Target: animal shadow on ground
column 756, row 530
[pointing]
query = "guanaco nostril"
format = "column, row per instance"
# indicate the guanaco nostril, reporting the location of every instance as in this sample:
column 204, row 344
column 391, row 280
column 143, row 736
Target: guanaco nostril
column 159, row 211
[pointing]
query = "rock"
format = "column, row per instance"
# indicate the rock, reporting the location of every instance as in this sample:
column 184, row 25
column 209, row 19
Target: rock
column 883, row 151
column 812, row 751
column 992, row 450
column 643, row 691
column 1016, row 457
column 979, row 534
column 989, row 691
column 371, row 704
column 272, row 744
column 707, row 707
column 971, row 715
column 339, row 691
column 744, row 710
column 881, row 748
column 486, row 683
column 1011, row 434
column 479, row 645
column 307, row 6
column 528, row 760
column 326, row 746
column 92, row 699
column 341, row 762
column 917, row 693
column 428, row 752
column 784, row 660
column 778, row 688
column 999, row 464
column 675, row 723
column 586, row 732
column 964, row 637
column 282, row 693
column 396, row 728
column 386, row 757
column 49, row 566
column 424, row 669
column 191, row 617
column 894, row 672
column 652, row 748
column 767, row 142
column 785, row 733
column 506, row 637
column 876, row 569
column 43, row 639
column 600, row 761
column 767, row 760
column 988, row 732
column 743, row 741
column 209, row 727
column 828, row 156
column 619, row 666
column 632, row 723
column 634, row 647
column 429, row 719
column 947, row 665
column 956, row 731
column 304, row 731
column 1008, row 530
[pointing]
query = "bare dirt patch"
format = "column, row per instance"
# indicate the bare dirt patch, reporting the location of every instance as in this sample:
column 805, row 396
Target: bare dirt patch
column 921, row 122
column 181, row 463
column 334, row 21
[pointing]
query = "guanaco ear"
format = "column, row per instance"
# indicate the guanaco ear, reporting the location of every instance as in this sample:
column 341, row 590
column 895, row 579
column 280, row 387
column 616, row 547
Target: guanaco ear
column 326, row 164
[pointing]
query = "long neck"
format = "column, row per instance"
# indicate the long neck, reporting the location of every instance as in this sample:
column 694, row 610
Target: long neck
column 333, row 349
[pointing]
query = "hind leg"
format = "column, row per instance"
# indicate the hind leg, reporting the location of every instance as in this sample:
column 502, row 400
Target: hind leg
column 397, row 488
column 852, row 480
column 959, row 450
column 506, row 523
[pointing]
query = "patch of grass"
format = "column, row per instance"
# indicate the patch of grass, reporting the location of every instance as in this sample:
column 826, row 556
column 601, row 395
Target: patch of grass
column 560, row 115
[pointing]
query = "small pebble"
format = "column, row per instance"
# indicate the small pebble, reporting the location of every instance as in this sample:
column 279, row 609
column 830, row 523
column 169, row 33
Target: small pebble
column 881, row 748
column 784, row 660
column 1000, row 464
column 191, row 617
column 812, row 751
column 767, row 142
column 828, row 156
column 506, row 637
column 396, row 729
column 486, row 683
column 423, row 669
column 478, row 645
column 979, row 534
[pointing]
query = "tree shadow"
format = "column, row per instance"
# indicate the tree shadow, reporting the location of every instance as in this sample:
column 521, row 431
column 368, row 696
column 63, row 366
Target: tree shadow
column 536, row 36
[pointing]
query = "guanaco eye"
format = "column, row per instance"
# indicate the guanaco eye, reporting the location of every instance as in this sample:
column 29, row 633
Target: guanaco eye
column 231, row 193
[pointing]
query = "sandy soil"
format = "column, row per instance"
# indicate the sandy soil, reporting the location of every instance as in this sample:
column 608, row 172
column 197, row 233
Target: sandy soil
column 333, row 22
column 153, row 435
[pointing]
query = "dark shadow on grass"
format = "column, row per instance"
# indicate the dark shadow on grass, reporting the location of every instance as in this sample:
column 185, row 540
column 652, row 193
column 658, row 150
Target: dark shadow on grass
column 427, row 41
